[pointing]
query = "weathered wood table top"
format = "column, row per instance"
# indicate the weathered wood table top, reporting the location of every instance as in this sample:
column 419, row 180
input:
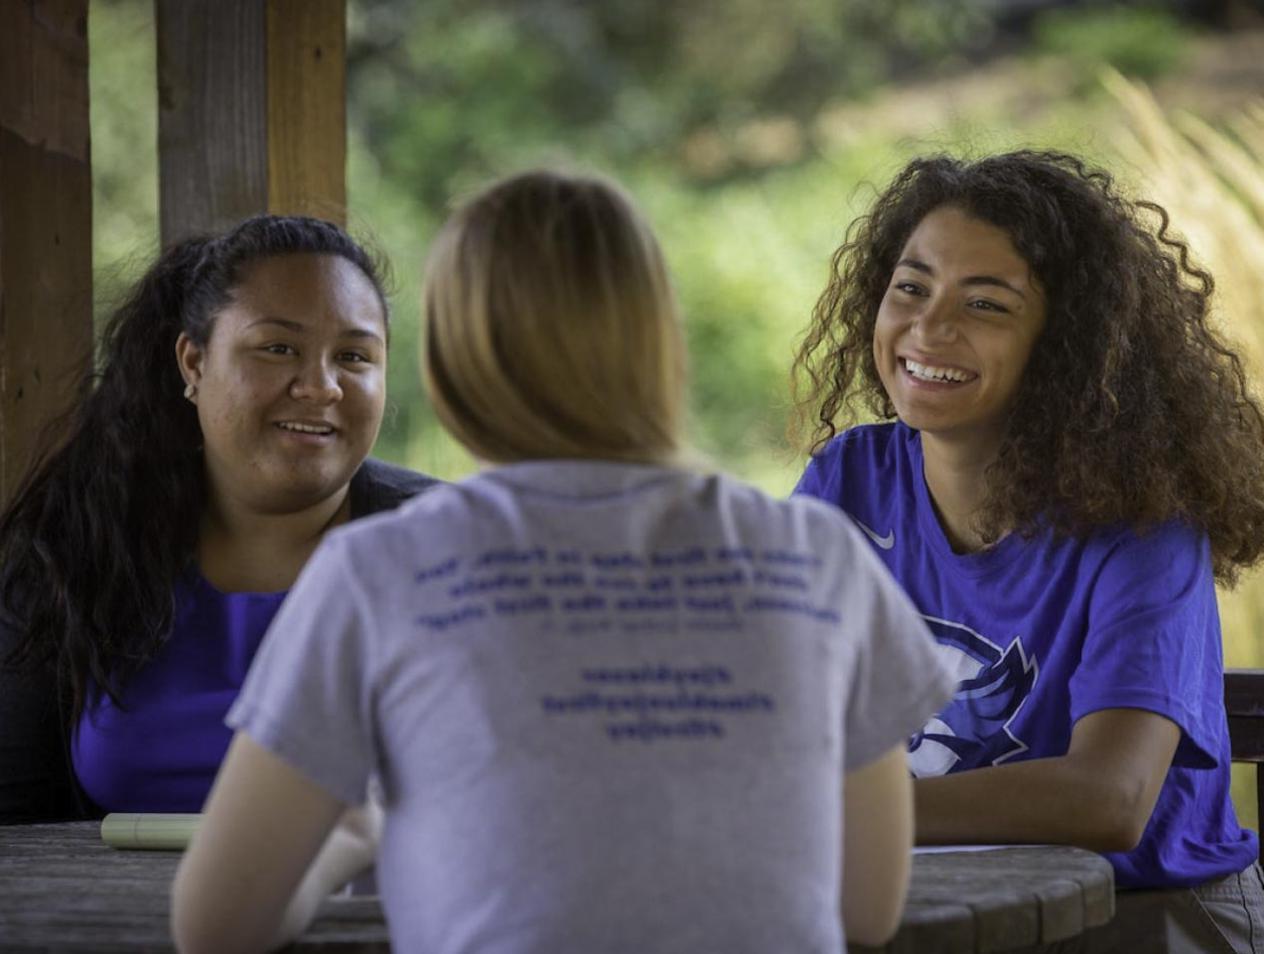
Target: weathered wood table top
column 62, row 889
column 977, row 902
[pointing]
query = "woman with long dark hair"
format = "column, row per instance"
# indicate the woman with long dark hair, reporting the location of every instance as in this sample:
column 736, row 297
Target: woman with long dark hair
column 1069, row 458
column 240, row 388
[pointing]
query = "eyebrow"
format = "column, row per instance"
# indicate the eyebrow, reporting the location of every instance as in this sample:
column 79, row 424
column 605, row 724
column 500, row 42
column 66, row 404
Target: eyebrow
column 299, row 328
column 968, row 280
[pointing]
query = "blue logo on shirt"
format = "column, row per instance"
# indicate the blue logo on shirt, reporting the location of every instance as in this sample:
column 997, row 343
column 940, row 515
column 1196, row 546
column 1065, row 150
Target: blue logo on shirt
column 974, row 729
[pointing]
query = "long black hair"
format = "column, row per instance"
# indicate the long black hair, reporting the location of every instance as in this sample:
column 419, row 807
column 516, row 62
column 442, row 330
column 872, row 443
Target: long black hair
column 106, row 519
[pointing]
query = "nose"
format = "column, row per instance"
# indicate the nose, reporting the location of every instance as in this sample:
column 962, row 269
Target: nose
column 317, row 382
column 937, row 321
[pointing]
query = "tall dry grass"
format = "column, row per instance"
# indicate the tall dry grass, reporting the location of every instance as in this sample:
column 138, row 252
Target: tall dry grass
column 1211, row 181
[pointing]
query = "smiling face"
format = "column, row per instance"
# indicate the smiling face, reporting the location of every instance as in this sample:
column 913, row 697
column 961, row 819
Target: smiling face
column 291, row 385
column 956, row 327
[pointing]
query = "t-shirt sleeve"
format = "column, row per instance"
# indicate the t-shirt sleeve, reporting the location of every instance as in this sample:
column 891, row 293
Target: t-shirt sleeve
column 1153, row 641
column 822, row 476
column 898, row 680
column 306, row 698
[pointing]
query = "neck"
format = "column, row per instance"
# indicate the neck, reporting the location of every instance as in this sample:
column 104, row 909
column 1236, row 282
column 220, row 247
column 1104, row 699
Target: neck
column 955, row 476
column 244, row 549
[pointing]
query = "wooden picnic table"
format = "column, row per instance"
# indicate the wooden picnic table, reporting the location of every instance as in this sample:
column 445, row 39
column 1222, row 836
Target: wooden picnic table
column 979, row 902
column 63, row 889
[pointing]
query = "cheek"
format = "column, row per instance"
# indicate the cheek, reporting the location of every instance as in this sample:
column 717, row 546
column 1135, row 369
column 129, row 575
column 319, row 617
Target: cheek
column 883, row 342
column 368, row 391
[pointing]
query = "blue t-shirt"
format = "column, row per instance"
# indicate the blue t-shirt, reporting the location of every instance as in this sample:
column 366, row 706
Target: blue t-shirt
column 1044, row 631
column 160, row 752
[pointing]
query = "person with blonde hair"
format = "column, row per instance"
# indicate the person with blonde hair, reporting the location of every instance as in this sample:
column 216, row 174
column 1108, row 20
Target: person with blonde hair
column 614, row 704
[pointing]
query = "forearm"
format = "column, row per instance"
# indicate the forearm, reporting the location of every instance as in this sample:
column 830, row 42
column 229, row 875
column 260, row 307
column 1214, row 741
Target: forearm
column 1060, row 800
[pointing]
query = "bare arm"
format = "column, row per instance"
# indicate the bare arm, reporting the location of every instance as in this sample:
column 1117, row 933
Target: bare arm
column 260, row 862
column 1100, row 795
column 877, row 842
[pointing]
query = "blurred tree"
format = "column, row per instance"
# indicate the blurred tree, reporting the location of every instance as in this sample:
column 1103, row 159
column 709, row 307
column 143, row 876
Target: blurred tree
column 631, row 80
column 735, row 124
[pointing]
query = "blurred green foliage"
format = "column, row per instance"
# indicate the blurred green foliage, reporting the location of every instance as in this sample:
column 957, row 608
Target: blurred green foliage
column 751, row 133
column 1145, row 42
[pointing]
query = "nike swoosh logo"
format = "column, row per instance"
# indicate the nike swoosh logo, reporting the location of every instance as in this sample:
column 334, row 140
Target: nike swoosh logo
column 885, row 543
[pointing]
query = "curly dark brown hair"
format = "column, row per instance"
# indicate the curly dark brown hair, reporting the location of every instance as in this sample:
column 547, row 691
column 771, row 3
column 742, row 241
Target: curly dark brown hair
column 1132, row 408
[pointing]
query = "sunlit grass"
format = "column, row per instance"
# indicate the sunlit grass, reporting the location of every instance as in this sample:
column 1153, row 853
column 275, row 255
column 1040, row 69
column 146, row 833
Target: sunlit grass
column 1211, row 181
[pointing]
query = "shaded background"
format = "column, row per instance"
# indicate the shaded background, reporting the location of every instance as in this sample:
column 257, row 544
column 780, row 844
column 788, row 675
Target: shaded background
column 752, row 133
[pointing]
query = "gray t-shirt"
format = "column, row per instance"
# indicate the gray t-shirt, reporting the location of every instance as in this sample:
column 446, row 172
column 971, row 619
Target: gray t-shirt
column 611, row 706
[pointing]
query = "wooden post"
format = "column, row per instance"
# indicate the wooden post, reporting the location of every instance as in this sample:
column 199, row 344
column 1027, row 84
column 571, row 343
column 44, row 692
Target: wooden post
column 307, row 108
column 45, row 220
column 252, row 111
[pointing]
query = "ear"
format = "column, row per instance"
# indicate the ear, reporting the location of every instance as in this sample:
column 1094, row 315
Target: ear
column 189, row 356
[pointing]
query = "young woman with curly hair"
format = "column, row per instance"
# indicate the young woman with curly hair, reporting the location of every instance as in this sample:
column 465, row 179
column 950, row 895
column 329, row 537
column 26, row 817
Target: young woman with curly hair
column 1070, row 459
column 240, row 387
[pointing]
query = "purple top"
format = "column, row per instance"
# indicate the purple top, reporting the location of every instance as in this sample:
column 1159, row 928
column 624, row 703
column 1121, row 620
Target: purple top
column 161, row 752
column 1045, row 630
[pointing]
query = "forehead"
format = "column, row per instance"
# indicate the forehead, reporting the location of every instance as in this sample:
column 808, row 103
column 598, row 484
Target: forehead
column 950, row 239
column 306, row 288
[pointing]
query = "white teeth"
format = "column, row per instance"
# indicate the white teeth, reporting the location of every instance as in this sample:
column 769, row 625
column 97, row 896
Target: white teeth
column 928, row 373
column 306, row 428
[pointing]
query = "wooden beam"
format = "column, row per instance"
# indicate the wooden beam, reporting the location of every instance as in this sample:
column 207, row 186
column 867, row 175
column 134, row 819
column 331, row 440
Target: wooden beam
column 45, row 220
column 212, row 114
column 307, row 108
column 251, row 111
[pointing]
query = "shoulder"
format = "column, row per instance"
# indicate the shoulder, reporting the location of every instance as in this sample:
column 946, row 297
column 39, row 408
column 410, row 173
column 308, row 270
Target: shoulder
column 803, row 521
column 1170, row 559
column 379, row 486
column 419, row 514
column 848, row 461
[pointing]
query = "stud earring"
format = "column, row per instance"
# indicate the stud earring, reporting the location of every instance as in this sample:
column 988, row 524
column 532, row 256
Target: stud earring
column 189, row 391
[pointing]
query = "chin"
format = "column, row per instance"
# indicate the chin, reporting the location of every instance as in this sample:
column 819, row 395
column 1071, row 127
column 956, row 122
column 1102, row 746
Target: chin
column 308, row 486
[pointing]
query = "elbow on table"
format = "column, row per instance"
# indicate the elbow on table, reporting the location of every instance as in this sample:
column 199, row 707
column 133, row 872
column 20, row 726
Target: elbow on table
column 1122, row 837
column 875, row 928
column 195, row 929
column 1118, row 821
column 873, row 920
column 202, row 936
column 192, row 936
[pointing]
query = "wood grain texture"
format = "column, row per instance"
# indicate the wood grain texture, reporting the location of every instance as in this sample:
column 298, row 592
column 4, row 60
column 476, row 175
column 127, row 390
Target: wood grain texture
column 45, row 222
column 63, row 890
column 307, row 108
column 992, row 901
column 1244, row 693
column 212, row 114
column 44, row 74
column 1244, row 705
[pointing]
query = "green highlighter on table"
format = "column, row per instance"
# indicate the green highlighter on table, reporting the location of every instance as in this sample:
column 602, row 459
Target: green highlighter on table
column 152, row 831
